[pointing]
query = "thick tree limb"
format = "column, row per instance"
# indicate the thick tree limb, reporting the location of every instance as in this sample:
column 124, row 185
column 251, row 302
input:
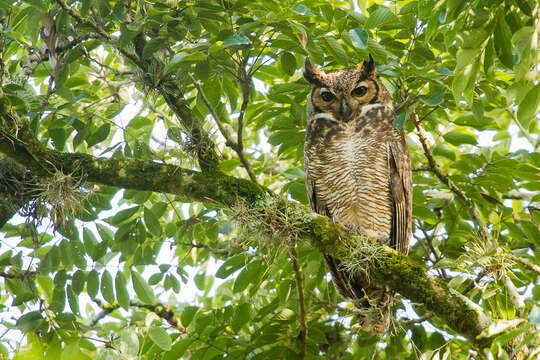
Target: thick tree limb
column 17, row 188
column 399, row 272
column 167, row 87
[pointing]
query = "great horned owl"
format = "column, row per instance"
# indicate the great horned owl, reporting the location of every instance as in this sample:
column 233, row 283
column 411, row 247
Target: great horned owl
column 357, row 165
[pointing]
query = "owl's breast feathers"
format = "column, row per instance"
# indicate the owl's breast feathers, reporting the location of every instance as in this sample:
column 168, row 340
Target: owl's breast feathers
column 359, row 174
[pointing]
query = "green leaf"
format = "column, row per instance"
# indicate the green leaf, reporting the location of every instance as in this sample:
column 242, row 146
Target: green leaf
column 336, row 50
column 160, row 337
column 359, row 38
column 152, row 222
column 294, row 173
column 237, row 41
column 129, row 341
column 183, row 58
column 73, row 300
column 143, row 290
column 92, row 284
column 78, row 253
column 99, row 135
column 122, row 216
column 458, row 138
column 381, row 16
column 502, row 41
column 187, row 315
column 288, row 63
column 58, row 301
column 231, row 265
column 107, row 287
column 434, row 99
column 297, row 189
column 529, row 107
column 29, row 322
column 175, row 133
column 399, row 121
column 122, row 294
column 178, row 349
column 242, row 315
column 153, row 46
column 248, row 275
column 78, row 280
column 478, row 110
column 59, row 137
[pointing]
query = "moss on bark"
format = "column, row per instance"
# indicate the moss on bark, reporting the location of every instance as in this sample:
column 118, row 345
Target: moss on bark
column 398, row 271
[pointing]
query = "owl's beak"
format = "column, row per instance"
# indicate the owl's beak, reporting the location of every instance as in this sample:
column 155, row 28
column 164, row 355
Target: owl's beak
column 344, row 109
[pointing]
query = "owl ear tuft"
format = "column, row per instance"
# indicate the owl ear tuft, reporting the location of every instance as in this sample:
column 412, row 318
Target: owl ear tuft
column 312, row 74
column 368, row 67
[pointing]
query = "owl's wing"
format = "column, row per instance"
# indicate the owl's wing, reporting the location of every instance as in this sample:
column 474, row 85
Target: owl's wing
column 401, row 194
column 317, row 204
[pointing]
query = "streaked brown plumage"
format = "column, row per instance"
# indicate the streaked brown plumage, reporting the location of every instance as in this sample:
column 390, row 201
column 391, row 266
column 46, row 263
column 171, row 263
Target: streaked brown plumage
column 357, row 164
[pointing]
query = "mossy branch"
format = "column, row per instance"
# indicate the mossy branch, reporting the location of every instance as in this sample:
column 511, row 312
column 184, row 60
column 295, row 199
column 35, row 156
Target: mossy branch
column 399, row 272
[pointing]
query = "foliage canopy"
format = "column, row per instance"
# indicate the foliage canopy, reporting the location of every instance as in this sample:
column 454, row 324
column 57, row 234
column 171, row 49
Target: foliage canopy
column 145, row 142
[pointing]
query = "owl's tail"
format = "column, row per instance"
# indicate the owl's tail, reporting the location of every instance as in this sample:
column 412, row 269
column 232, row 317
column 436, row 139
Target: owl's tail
column 375, row 304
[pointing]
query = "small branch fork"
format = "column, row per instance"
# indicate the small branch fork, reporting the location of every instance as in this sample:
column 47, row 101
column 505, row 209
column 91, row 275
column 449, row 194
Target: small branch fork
column 446, row 180
column 237, row 146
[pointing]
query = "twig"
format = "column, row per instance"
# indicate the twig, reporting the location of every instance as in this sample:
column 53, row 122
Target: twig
column 428, row 113
column 446, row 180
column 417, row 321
column 19, row 275
column 301, row 300
column 99, row 29
column 207, row 248
column 525, row 262
column 163, row 312
column 246, row 90
column 514, row 295
column 206, row 153
column 228, row 138
column 429, row 241
column 535, row 144
column 50, row 90
column 479, row 277
column 338, row 308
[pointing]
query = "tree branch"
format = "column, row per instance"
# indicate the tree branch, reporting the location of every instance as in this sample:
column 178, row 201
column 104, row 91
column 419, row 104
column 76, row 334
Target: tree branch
column 395, row 270
column 18, row 276
column 301, row 300
column 206, row 152
column 446, row 180
column 535, row 144
column 525, row 262
column 17, row 188
column 235, row 145
column 160, row 310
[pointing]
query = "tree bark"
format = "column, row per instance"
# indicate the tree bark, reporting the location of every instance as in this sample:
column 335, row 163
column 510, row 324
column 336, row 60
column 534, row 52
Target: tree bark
column 399, row 272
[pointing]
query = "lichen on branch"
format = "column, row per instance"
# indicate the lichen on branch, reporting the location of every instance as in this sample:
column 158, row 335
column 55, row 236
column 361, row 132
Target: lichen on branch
column 269, row 213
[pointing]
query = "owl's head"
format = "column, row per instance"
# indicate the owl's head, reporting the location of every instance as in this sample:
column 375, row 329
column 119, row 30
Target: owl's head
column 342, row 94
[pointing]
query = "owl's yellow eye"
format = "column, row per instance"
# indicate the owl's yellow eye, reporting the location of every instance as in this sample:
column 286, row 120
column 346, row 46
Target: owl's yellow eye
column 327, row 96
column 360, row 91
